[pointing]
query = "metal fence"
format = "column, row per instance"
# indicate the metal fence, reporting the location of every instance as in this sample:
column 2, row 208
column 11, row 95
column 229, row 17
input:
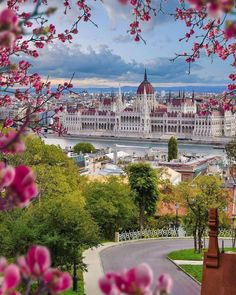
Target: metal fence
column 162, row 233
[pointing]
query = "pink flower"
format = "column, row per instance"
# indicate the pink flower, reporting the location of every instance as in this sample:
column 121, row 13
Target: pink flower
column 8, row 18
column 57, row 281
column 7, row 174
column 8, row 27
column 136, row 280
column 23, row 187
column 8, row 123
column 230, row 29
column 6, row 39
column 9, row 143
column 164, row 284
column 11, row 278
column 36, row 262
column 107, row 284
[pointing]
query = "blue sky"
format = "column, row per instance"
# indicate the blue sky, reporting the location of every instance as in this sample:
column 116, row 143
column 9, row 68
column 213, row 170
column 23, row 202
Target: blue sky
column 107, row 56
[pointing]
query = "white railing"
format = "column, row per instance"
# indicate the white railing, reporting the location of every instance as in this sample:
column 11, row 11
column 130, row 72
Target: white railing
column 161, row 233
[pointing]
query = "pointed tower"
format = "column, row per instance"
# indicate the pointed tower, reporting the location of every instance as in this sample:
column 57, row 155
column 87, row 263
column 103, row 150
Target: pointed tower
column 145, row 75
column 119, row 102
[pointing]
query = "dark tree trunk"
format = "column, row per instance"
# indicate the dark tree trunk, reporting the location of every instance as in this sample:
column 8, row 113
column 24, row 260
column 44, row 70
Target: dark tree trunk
column 195, row 240
column 199, row 242
column 141, row 217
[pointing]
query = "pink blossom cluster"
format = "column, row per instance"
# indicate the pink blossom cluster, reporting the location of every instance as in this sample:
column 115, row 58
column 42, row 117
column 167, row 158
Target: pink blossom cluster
column 9, row 142
column 142, row 11
column 30, row 89
column 34, row 267
column 214, row 7
column 18, row 185
column 9, row 27
column 135, row 281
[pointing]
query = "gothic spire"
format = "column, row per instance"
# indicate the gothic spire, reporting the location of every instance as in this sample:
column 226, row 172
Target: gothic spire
column 145, row 75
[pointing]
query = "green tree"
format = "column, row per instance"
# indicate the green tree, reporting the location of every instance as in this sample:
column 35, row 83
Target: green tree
column 39, row 153
column 172, row 149
column 56, row 173
column 143, row 182
column 111, row 205
column 198, row 197
column 84, row 148
column 62, row 224
column 57, row 218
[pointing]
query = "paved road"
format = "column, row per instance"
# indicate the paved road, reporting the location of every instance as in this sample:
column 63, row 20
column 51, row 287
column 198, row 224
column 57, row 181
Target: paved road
column 154, row 253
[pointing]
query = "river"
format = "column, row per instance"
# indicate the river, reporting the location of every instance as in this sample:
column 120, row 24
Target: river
column 136, row 146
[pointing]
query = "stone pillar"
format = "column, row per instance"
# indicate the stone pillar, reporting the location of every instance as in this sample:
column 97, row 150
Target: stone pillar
column 117, row 235
column 219, row 271
column 212, row 256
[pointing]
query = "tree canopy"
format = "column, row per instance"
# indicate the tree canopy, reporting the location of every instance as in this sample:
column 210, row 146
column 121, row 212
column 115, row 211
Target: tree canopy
column 197, row 197
column 84, row 148
column 172, row 149
column 111, row 204
column 57, row 218
column 62, row 224
column 143, row 182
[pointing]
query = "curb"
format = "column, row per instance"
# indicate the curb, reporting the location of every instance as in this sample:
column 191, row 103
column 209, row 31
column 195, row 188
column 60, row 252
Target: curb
column 179, row 267
column 94, row 268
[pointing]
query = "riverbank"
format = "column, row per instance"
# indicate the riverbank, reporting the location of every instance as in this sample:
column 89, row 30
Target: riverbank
column 218, row 142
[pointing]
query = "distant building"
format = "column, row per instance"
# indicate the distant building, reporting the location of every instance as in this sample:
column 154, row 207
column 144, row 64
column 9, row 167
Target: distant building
column 146, row 118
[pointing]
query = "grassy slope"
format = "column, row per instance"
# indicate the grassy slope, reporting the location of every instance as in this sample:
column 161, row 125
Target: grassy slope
column 188, row 254
column 194, row 270
column 79, row 292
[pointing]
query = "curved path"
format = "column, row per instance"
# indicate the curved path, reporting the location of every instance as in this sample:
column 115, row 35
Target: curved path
column 154, row 253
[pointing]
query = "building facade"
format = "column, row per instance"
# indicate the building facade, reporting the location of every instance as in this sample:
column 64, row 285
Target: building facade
column 148, row 119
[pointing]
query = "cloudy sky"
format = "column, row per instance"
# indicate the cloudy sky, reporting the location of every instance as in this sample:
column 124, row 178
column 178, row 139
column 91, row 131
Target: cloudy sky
column 107, row 56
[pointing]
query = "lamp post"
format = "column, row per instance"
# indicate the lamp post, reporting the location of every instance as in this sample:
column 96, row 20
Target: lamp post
column 233, row 230
column 75, row 279
column 177, row 219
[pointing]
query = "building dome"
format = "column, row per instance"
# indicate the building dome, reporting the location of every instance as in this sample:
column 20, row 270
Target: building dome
column 145, row 84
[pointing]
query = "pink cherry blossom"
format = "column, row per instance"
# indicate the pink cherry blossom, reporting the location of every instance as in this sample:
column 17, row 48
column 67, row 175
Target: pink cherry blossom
column 164, row 284
column 57, row 281
column 11, row 278
column 8, row 18
column 8, row 123
column 7, row 175
column 137, row 280
column 8, row 27
column 38, row 260
column 108, row 285
column 23, row 188
column 10, row 143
